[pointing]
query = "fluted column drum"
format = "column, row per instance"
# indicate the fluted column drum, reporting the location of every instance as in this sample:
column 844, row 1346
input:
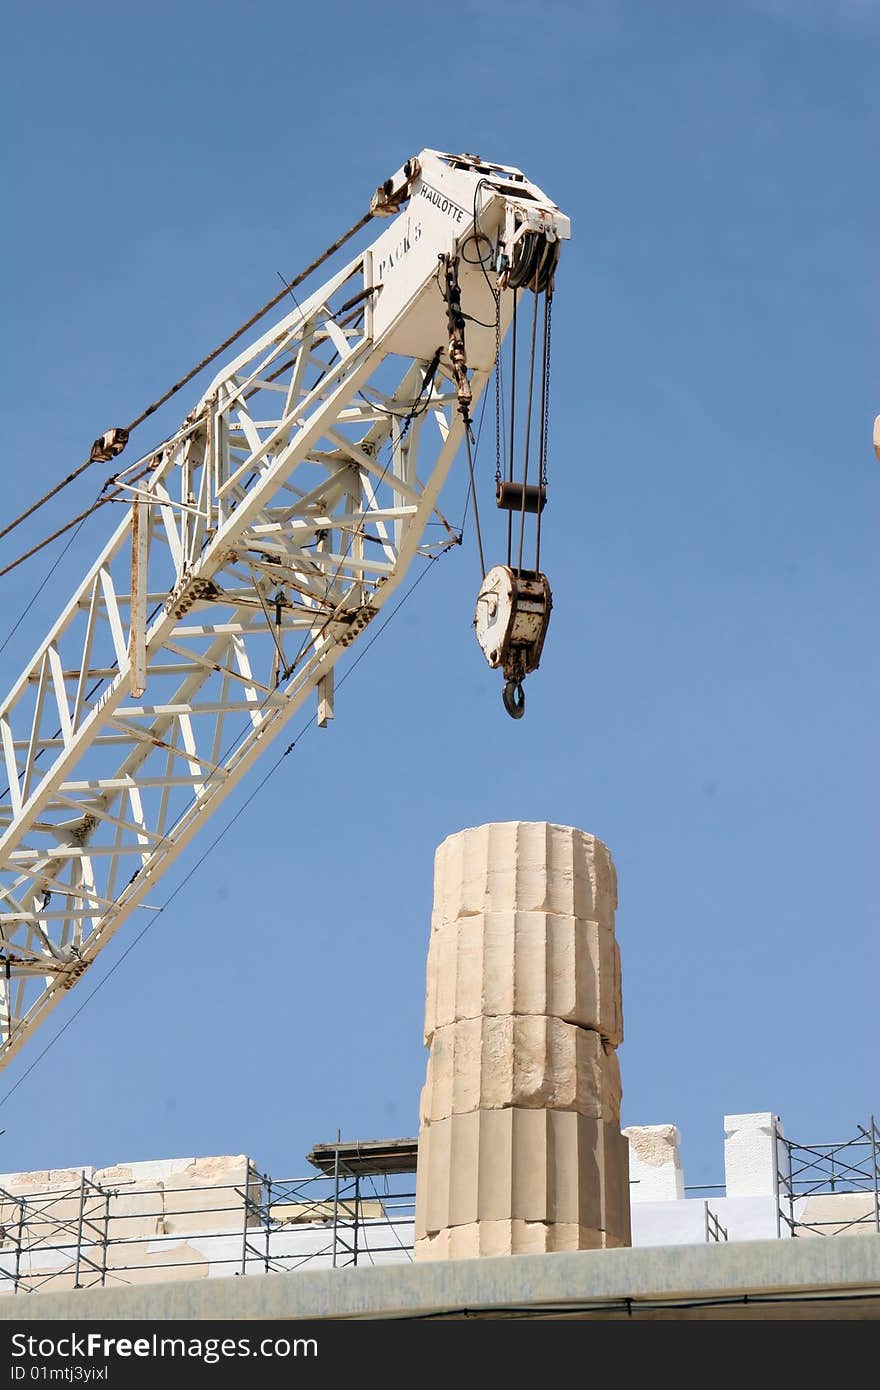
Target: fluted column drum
column 519, row 1142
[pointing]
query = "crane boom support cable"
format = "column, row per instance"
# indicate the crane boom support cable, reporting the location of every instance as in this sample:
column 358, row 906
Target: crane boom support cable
column 53, row 492
column 290, row 491
column 233, row 337
column 36, row 594
column 217, row 838
column 155, row 405
column 113, row 496
column 41, row 545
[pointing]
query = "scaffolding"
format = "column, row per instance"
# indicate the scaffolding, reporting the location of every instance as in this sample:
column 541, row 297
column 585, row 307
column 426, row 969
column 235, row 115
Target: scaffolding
column 92, row 1235
column 363, row 1221
column 829, row 1189
column 357, row 1208
column 714, row 1229
column 73, row 1224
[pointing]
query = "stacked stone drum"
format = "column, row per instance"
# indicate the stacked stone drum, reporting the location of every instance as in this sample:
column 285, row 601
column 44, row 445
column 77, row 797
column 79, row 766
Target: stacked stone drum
column 520, row 1146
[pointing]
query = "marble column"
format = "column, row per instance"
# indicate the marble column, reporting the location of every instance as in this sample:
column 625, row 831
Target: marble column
column 520, row 1146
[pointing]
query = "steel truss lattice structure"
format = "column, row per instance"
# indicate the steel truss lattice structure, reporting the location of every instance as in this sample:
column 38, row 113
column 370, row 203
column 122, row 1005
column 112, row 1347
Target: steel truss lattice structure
column 260, row 541
column 272, row 530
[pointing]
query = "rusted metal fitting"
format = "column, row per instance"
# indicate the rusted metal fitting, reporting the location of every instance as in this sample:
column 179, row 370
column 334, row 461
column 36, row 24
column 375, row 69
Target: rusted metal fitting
column 111, row 443
column 455, row 322
column 391, row 195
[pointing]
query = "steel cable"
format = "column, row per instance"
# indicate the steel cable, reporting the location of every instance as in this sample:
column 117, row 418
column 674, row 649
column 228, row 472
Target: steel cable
column 522, row 520
column 173, row 390
column 217, row 838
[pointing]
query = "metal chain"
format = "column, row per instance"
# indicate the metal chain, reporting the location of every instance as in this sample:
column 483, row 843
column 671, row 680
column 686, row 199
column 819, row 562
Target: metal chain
column 497, row 389
column 545, row 422
column 545, row 417
column 528, row 433
column 451, row 292
column 512, row 424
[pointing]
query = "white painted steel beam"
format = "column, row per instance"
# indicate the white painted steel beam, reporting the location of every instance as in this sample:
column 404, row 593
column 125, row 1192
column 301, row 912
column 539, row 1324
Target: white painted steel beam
column 265, row 537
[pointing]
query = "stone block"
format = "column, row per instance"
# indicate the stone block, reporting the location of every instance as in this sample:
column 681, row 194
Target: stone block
column 655, row 1163
column 209, row 1195
column 513, row 962
column 837, row 1214
column 528, row 865
column 45, row 1180
column 753, row 1154
column 60, row 1282
column 520, row 1145
column 51, row 1202
column 614, row 1149
column 527, row 1061
column 137, row 1213
column 531, row 1165
column 142, row 1263
column 512, row 1237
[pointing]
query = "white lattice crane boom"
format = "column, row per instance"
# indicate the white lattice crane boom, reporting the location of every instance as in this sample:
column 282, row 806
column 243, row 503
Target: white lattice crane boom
column 257, row 544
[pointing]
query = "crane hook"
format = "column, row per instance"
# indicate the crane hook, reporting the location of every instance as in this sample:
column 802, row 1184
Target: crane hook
column 514, row 699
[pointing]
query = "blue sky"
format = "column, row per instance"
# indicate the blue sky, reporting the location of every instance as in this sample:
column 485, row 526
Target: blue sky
column 707, row 699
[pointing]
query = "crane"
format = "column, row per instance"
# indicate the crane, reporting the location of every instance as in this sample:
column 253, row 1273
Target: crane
column 258, row 542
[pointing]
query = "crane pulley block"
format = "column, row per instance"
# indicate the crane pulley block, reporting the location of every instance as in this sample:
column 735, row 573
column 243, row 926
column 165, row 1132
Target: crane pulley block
column 511, row 621
column 253, row 547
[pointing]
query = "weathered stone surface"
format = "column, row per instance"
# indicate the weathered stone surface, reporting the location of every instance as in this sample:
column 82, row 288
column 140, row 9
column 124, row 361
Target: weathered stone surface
column 655, row 1163
column 153, row 1198
column 50, row 1204
column 525, row 963
column 46, row 1180
column 837, row 1214
column 144, row 1264
column 532, row 866
column 520, row 1145
column 208, row 1195
column 528, row 1165
column 534, row 1062
column 508, row 1238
